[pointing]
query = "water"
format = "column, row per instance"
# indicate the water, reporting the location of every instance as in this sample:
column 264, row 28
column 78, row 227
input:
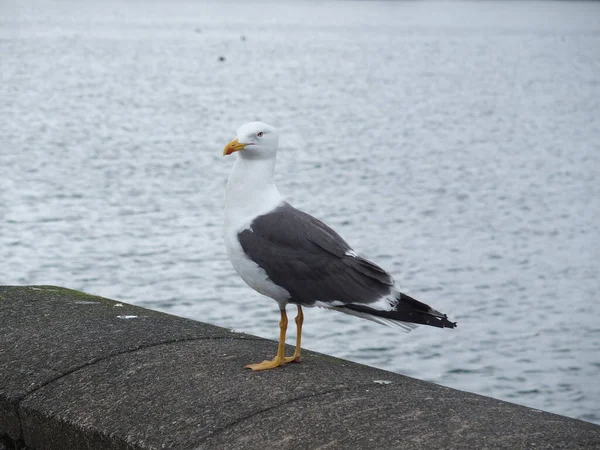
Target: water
column 456, row 144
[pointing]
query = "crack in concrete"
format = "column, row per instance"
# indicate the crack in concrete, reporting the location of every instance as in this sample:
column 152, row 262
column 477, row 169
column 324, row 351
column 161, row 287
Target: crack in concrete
column 256, row 413
column 124, row 352
column 93, row 361
column 292, row 400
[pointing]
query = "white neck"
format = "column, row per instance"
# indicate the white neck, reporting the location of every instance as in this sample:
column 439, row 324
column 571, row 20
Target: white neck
column 250, row 191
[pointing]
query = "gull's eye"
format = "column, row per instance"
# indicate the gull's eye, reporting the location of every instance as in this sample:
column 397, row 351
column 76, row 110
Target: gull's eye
column 259, row 134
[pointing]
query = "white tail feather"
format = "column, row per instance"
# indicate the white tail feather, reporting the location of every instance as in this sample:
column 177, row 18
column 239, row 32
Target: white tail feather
column 406, row 327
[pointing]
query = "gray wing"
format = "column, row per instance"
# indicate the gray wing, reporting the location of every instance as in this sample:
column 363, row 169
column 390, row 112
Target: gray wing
column 310, row 260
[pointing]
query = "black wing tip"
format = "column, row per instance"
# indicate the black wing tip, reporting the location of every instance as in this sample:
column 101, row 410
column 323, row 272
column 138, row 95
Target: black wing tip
column 441, row 321
column 446, row 323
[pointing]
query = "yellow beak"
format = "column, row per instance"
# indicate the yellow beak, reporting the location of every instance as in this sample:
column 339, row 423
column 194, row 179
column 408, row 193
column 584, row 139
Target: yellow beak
column 233, row 146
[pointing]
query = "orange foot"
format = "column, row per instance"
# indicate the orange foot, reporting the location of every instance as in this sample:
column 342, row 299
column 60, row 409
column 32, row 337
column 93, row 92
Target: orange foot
column 293, row 359
column 268, row 364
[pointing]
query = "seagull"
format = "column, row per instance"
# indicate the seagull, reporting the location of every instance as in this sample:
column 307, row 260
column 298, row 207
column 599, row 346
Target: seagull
column 292, row 257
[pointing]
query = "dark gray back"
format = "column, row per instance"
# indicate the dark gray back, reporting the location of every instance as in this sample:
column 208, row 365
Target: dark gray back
column 308, row 259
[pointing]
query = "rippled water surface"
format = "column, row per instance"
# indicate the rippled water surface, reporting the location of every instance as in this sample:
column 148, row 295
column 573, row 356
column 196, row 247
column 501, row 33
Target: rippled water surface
column 456, row 144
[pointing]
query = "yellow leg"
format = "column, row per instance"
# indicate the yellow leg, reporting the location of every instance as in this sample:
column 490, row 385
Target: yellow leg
column 279, row 359
column 299, row 320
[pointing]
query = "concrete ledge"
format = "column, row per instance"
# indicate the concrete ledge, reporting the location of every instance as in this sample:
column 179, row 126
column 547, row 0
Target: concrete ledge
column 76, row 373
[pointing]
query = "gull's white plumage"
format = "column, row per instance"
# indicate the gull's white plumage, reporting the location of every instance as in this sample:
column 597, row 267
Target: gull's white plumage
column 290, row 256
column 251, row 192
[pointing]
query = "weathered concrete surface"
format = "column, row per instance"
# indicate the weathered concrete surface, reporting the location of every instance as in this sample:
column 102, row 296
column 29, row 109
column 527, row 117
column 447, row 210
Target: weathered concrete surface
column 47, row 332
column 74, row 376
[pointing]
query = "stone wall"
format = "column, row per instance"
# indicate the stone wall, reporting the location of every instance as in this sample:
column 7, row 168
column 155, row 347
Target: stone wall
column 84, row 372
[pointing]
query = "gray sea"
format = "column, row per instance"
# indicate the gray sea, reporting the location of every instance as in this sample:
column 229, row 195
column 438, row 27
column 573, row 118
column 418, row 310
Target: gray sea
column 457, row 144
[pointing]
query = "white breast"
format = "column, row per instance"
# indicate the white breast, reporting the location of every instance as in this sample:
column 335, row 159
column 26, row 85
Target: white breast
column 249, row 271
column 250, row 193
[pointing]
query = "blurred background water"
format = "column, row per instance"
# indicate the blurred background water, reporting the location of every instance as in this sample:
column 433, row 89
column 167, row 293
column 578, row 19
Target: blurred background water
column 456, row 144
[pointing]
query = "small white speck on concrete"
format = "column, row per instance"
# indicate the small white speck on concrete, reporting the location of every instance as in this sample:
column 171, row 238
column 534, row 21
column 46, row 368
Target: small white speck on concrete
column 118, row 305
column 382, row 382
column 127, row 317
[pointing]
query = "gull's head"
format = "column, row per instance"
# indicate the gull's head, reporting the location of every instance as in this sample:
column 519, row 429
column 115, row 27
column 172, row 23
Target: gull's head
column 255, row 140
